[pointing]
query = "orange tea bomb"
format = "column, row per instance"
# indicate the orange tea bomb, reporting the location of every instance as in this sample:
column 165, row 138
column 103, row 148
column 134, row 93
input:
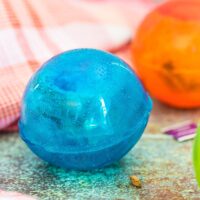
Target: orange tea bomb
column 166, row 53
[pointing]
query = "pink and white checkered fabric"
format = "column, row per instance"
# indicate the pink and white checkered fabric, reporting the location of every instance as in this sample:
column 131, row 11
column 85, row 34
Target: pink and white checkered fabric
column 33, row 31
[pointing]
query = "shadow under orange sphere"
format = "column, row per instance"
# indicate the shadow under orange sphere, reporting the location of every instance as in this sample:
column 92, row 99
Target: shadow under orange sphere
column 166, row 53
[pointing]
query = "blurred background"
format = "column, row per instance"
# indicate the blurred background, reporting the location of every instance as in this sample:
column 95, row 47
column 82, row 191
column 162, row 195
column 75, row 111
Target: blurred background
column 160, row 40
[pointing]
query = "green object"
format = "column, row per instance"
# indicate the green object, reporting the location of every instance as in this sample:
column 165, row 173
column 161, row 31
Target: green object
column 196, row 155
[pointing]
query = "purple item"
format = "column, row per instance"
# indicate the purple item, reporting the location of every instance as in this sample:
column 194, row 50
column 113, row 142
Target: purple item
column 182, row 131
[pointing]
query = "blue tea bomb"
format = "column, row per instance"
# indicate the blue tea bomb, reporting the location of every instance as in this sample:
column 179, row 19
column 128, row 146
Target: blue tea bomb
column 83, row 109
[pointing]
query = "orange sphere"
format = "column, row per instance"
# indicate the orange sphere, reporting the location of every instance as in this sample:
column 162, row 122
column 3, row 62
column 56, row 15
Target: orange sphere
column 166, row 53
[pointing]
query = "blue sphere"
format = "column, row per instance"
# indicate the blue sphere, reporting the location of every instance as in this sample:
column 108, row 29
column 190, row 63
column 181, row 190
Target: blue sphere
column 83, row 109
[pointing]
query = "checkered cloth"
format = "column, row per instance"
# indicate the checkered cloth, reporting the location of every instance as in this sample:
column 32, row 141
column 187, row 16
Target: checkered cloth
column 33, row 31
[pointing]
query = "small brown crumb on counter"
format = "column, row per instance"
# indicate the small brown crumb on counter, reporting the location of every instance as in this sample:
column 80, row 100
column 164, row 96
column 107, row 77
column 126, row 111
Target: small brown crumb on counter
column 135, row 181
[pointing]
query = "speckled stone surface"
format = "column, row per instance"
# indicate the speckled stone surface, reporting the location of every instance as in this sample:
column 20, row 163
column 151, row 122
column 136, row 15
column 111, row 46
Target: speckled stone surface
column 163, row 116
column 163, row 165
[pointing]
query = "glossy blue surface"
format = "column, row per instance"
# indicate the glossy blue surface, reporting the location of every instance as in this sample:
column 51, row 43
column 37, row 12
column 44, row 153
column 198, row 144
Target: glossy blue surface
column 83, row 109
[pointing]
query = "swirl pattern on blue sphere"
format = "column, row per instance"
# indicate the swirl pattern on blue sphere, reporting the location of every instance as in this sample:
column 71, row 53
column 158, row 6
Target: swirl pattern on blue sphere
column 83, row 109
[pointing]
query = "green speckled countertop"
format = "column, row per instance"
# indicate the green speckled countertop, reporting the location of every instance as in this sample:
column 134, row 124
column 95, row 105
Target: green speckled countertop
column 163, row 165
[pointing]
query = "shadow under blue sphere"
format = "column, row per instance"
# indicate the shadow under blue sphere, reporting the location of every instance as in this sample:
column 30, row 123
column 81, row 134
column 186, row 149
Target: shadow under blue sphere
column 83, row 109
